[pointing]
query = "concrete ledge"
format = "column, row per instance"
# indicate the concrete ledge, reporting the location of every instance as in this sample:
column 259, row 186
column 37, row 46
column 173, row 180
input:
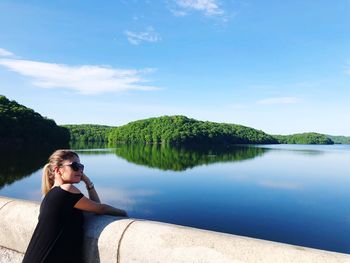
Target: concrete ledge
column 7, row 255
column 112, row 239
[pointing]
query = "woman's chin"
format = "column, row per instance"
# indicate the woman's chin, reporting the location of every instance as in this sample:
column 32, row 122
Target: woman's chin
column 78, row 177
column 77, row 180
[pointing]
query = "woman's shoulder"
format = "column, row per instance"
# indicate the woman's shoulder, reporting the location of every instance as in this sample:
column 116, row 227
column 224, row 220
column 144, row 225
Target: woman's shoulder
column 70, row 188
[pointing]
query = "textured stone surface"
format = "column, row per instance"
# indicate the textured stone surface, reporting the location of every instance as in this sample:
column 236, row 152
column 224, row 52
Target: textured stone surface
column 147, row 241
column 17, row 221
column 102, row 237
column 7, row 255
column 113, row 239
column 4, row 201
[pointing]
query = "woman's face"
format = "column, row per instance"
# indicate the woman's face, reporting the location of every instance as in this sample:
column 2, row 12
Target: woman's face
column 68, row 174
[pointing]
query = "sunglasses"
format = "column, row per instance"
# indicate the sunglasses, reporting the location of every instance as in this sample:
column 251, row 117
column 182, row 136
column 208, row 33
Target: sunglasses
column 75, row 166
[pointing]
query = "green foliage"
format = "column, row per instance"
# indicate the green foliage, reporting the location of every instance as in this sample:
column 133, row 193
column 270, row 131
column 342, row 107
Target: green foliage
column 81, row 145
column 20, row 125
column 339, row 139
column 178, row 130
column 304, row 138
column 88, row 133
column 177, row 158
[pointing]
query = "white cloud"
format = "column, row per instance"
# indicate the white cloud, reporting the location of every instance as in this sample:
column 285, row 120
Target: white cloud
column 209, row 7
column 281, row 100
column 124, row 198
column 147, row 36
column 178, row 12
column 85, row 79
column 280, row 185
column 5, row 53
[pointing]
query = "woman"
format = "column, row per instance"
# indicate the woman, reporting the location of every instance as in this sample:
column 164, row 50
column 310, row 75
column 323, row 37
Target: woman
column 58, row 235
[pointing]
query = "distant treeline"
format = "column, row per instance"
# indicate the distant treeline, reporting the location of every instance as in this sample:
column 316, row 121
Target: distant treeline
column 182, row 130
column 339, row 139
column 88, row 133
column 20, row 125
column 304, row 138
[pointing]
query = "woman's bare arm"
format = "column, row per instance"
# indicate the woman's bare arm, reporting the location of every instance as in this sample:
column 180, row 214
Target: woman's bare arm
column 88, row 205
column 91, row 189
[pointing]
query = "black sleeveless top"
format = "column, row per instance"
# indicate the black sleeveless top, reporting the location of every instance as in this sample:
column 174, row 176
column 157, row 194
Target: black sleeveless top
column 58, row 236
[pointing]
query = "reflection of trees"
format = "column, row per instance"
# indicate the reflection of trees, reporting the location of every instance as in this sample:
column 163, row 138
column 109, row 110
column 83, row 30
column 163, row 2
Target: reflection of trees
column 297, row 149
column 81, row 145
column 17, row 163
column 181, row 158
column 92, row 148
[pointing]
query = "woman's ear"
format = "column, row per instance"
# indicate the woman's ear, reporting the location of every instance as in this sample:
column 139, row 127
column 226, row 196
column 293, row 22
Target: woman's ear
column 57, row 171
column 58, row 176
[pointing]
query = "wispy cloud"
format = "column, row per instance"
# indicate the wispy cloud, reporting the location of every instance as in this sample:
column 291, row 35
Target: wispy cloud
column 5, row 53
column 208, row 7
column 281, row 100
column 277, row 87
column 150, row 35
column 124, row 199
column 280, row 185
column 85, row 79
column 178, row 12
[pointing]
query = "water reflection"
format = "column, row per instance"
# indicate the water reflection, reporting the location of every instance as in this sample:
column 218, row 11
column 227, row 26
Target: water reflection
column 181, row 158
column 17, row 163
column 310, row 150
column 278, row 194
column 81, row 145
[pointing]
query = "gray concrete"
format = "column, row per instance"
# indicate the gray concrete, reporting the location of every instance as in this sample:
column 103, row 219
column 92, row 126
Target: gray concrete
column 112, row 239
column 7, row 255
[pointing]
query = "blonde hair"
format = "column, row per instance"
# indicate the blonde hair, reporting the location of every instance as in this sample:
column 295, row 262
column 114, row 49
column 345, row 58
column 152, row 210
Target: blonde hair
column 55, row 160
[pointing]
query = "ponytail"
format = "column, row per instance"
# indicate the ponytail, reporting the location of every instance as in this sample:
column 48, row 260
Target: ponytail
column 47, row 179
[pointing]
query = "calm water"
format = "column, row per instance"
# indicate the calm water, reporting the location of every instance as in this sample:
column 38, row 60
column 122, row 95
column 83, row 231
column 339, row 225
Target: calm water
column 293, row 194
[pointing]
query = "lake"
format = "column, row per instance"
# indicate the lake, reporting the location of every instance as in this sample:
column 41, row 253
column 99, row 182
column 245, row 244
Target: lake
column 296, row 194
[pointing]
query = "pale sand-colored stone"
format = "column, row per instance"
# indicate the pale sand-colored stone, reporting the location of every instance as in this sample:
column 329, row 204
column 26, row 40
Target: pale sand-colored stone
column 147, row 241
column 17, row 223
column 102, row 236
column 7, row 255
column 4, row 201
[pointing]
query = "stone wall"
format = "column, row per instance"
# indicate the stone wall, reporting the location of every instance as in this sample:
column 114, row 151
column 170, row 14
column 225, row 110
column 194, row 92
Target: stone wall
column 113, row 239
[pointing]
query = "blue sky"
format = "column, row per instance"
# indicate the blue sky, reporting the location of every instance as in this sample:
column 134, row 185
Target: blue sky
column 279, row 66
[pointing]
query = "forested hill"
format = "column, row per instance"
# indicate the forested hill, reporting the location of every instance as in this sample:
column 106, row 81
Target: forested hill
column 339, row 139
column 304, row 138
column 88, row 132
column 20, row 125
column 183, row 130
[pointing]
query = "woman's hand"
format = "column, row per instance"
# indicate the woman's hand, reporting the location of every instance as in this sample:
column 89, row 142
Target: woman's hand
column 90, row 188
column 88, row 205
column 86, row 179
